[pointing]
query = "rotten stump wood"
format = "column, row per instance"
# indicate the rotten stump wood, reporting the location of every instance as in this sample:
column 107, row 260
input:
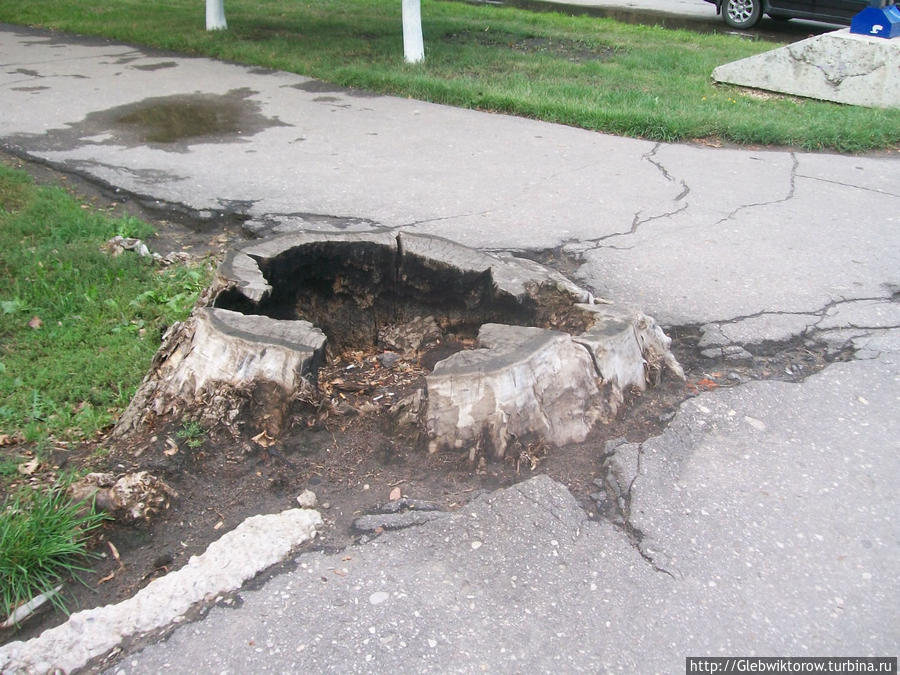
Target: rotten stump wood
column 549, row 360
column 530, row 384
column 225, row 368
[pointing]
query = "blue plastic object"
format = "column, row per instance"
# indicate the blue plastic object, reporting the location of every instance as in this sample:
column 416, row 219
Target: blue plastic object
column 881, row 22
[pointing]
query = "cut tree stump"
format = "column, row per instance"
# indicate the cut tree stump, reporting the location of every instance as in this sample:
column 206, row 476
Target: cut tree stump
column 551, row 361
column 223, row 367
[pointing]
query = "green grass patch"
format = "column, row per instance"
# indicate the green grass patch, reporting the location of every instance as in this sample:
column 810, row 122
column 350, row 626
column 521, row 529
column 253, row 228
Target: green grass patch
column 600, row 74
column 78, row 327
column 43, row 541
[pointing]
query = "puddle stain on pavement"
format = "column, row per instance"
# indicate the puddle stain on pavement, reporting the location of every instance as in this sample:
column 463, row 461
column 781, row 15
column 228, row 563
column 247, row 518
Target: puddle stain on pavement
column 170, row 123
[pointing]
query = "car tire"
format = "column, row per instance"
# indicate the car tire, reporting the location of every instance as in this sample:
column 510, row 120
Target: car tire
column 742, row 14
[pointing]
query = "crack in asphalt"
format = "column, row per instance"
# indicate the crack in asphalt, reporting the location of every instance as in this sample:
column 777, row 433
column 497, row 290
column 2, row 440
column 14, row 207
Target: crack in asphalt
column 637, row 221
column 821, row 314
column 795, row 163
column 848, row 185
column 426, row 221
column 634, row 534
column 649, row 157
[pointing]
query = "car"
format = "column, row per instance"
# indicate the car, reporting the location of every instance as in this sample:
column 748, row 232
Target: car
column 744, row 14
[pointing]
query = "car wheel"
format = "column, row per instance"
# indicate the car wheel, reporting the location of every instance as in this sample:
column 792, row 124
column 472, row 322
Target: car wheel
column 742, row 14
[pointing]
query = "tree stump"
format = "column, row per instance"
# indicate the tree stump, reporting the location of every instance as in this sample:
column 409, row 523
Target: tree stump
column 223, row 367
column 550, row 361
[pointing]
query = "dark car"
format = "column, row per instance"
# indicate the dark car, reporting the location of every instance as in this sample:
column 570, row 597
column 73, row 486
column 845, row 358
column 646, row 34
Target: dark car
column 747, row 13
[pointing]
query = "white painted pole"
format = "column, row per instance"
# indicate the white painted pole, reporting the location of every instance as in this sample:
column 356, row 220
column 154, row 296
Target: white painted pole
column 215, row 15
column 413, row 44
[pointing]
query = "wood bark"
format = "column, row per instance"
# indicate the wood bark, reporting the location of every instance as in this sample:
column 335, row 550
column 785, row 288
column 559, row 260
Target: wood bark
column 225, row 368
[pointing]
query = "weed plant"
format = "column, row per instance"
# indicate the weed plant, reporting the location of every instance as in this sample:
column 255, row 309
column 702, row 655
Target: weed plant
column 43, row 542
column 192, row 433
column 643, row 81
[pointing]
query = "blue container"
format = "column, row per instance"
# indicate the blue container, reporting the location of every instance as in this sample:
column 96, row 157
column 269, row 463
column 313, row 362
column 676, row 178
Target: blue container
column 881, row 22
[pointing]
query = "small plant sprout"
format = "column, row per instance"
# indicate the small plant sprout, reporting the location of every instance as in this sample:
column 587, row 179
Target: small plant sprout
column 191, row 433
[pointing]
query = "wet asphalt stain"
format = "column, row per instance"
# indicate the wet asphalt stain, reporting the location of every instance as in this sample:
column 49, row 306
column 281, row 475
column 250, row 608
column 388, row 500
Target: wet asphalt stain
column 171, row 123
column 50, row 38
column 318, row 87
column 157, row 66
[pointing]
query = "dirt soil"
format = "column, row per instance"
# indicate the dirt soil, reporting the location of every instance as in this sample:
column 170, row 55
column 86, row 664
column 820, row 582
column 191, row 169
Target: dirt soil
column 352, row 460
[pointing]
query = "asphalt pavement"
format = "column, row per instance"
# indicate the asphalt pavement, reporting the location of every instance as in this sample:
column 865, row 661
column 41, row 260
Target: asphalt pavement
column 763, row 520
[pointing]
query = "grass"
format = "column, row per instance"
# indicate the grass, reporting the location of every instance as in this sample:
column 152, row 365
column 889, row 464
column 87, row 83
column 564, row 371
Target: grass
column 599, row 74
column 43, row 539
column 78, row 327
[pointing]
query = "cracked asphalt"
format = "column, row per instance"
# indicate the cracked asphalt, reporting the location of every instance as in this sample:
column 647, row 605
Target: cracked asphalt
column 763, row 520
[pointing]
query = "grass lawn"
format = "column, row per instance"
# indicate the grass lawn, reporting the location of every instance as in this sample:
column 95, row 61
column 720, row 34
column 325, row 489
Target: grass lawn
column 600, row 74
column 78, row 327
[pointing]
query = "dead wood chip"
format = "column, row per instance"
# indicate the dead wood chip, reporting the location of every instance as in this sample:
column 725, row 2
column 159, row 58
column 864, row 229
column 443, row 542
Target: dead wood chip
column 342, row 385
column 263, row 439
column 115, row 552
column 108, row 577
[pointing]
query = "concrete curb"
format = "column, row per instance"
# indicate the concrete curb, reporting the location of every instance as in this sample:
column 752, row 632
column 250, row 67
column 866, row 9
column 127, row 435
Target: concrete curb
column 239, row 555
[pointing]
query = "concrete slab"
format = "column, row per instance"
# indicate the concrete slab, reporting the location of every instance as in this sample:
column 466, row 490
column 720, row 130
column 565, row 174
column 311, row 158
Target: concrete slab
column 841, row 66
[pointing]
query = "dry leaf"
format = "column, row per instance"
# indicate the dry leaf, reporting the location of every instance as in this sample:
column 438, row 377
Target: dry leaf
column 114, row 551
column 28, row 468
column 395, row 494
column 35, row 322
